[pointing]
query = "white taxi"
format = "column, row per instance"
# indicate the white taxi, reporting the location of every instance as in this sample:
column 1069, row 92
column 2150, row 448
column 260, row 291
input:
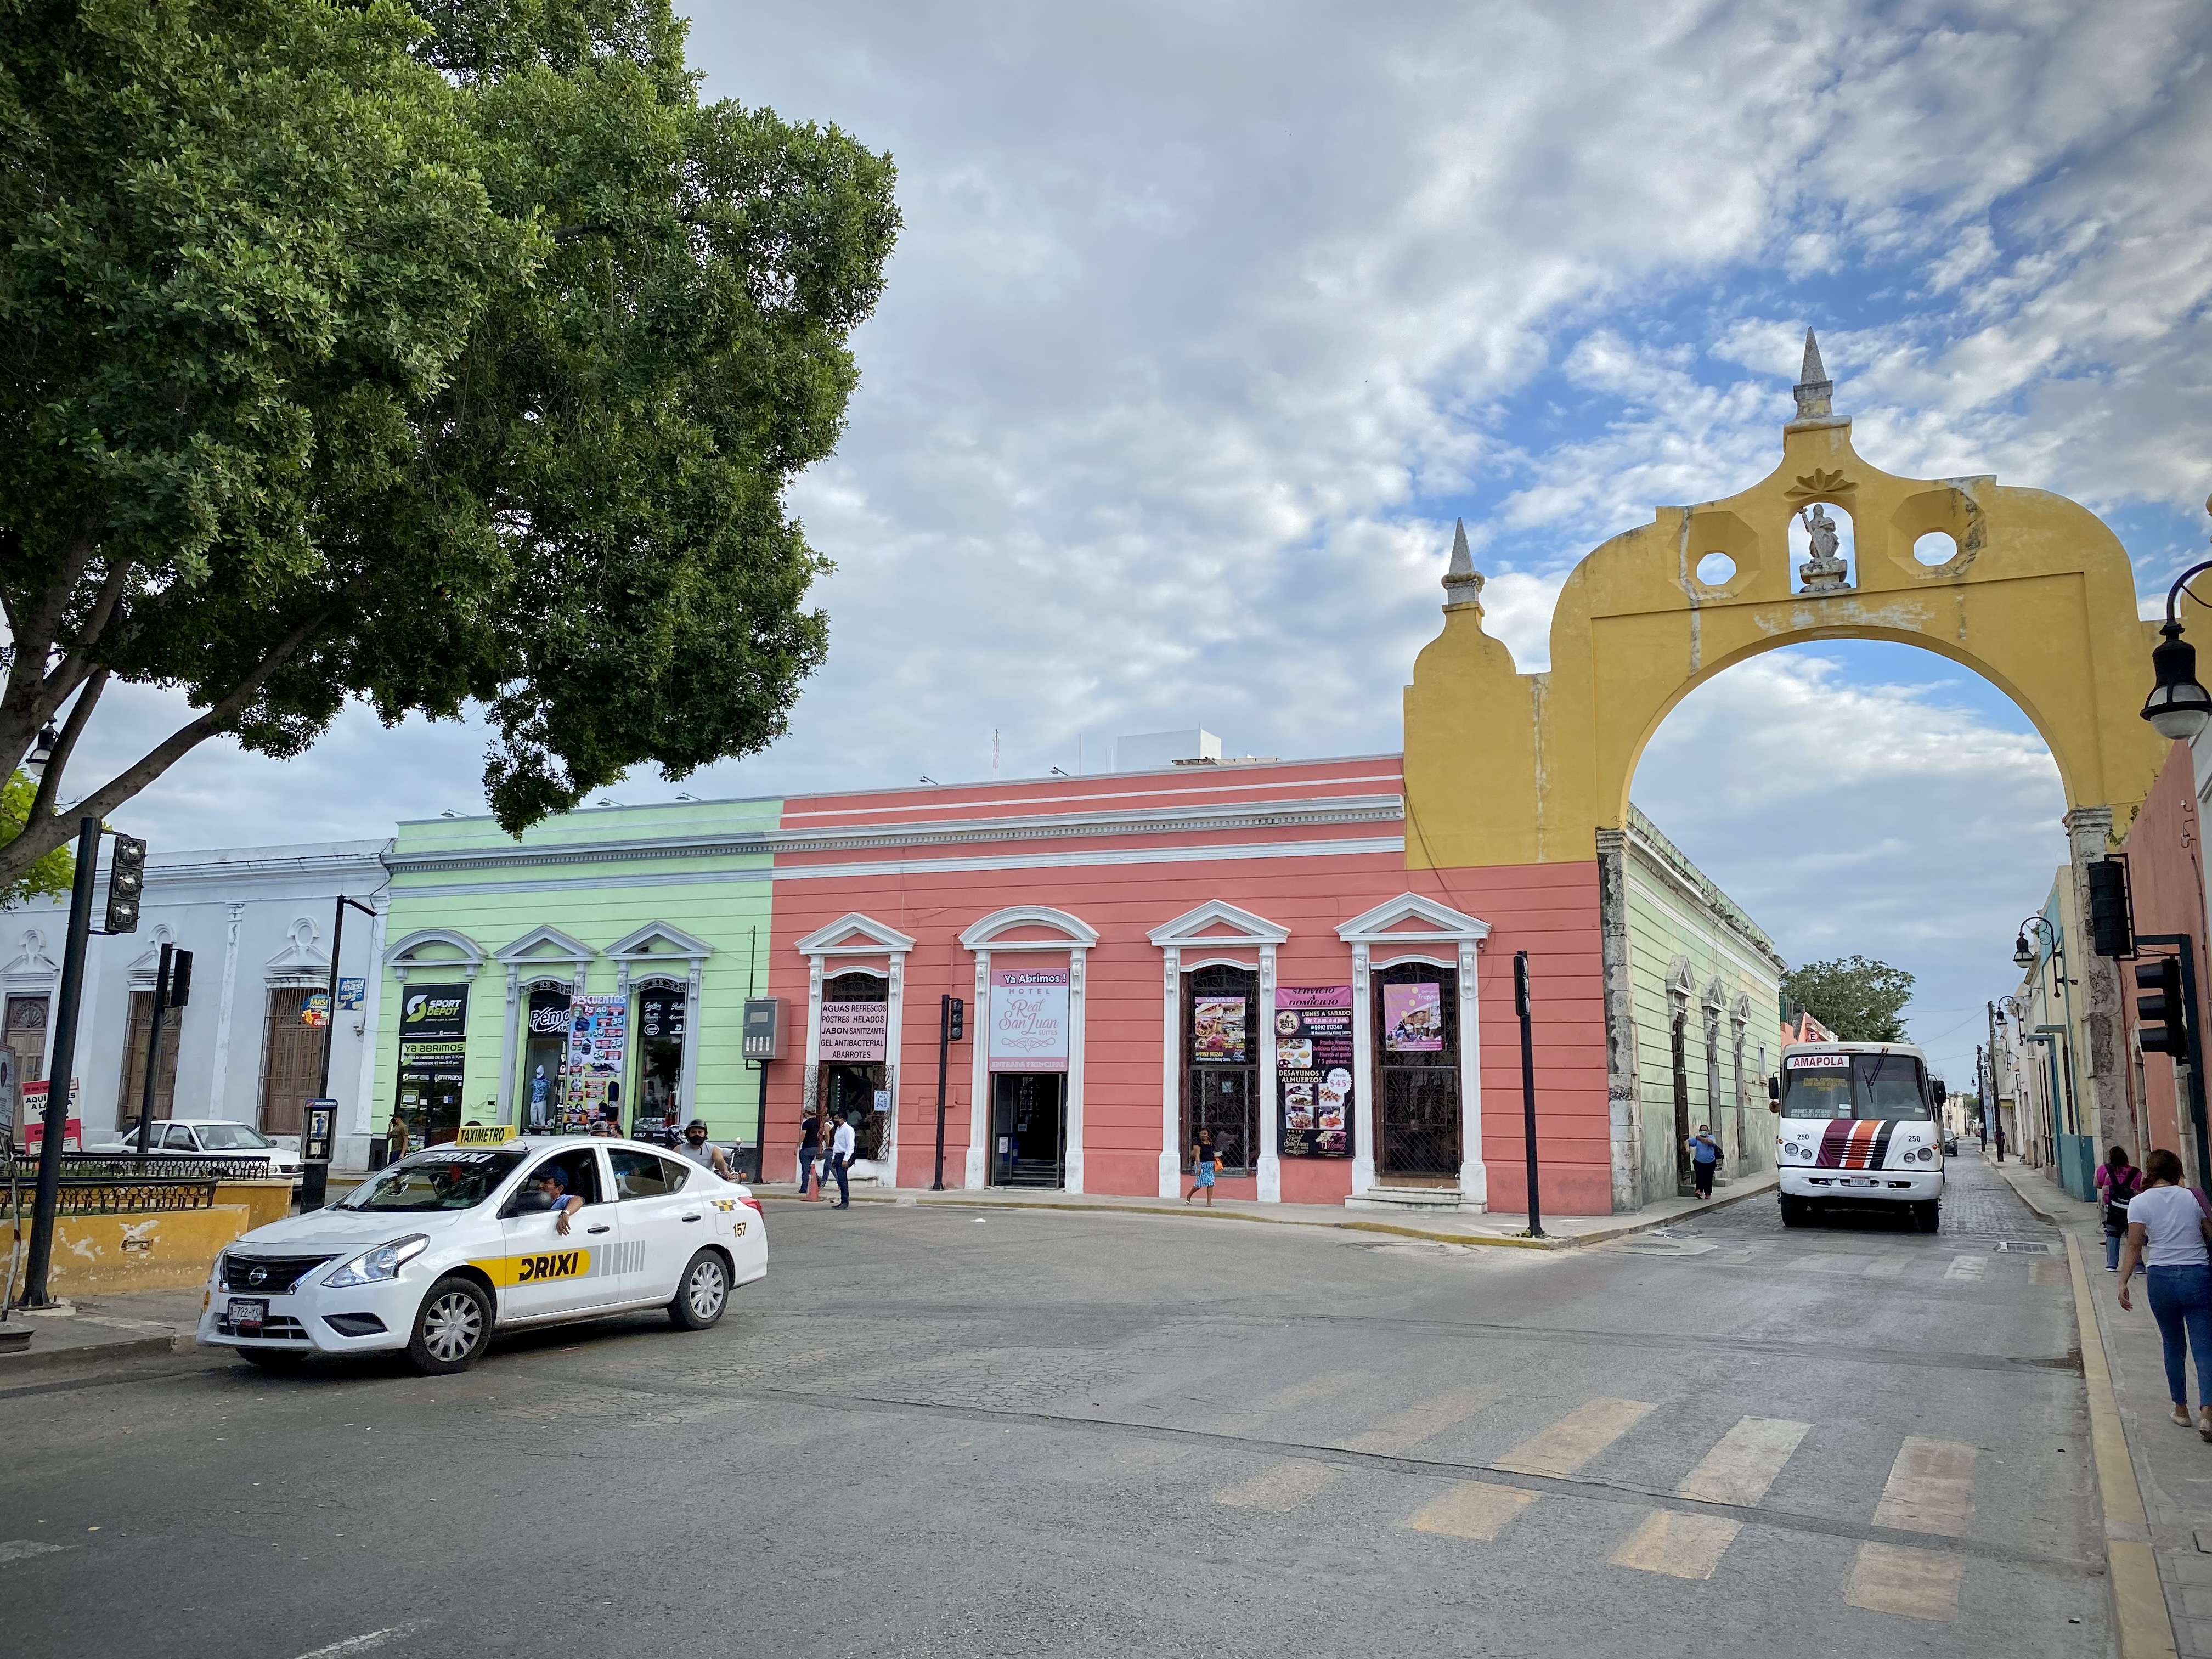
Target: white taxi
column 455, row 1242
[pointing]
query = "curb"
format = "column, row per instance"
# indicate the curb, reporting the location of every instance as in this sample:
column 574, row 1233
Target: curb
column 36, row 1358
column 1435, row 1235
column 2146, row 1627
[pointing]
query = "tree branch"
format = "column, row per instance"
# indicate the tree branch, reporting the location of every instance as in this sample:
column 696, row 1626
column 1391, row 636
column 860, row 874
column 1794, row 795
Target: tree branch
column 42, row 804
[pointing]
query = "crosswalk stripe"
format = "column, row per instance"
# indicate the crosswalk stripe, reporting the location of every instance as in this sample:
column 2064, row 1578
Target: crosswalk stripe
column 1680, row 1546
column 1931, row 1488
column 1917, row 1583
column 1329, row 1386
column 1474, row 1509
column 1575, row 1438
column 1408, row 1428
column 1745, row 1461
column 1966, row 1267
column 1279, row 1490
column 1887, row 1267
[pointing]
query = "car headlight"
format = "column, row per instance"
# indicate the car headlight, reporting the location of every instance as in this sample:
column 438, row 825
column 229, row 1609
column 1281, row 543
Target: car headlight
column 384, row 1262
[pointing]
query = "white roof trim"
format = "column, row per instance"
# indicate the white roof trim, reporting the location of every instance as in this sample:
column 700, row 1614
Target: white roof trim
column 633, row 946
column 1442, row 923
column 526, row 952
column 838, row 939
column 985, row 934
column 1249, row 929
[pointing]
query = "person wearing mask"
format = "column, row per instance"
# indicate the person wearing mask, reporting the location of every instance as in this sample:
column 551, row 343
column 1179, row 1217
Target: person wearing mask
column 841, row 1159
column 1704, row 1158
column 2166, row 1233
column 2117, row 1182
column 809, row 1149
column 697, row 1149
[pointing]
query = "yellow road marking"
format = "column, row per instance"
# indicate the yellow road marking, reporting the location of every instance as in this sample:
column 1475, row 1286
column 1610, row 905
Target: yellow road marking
column 1575, row 1438
column 1931, row 1488
column 1279, row 1490
column 1743, row 1465
column 1680, row 1546
column 1916, row 1583
column 1474, row 1509
column 1408, row 1428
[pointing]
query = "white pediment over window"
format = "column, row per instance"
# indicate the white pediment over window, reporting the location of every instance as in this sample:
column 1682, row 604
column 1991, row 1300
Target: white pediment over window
column 1067, row 930
column 302, row 961
column 657, row 938
column 147, row 962
column 1219, row 922
column 31, row 968
column 1410, row 916
column 854, row 935
column 434, row 949
column 545, row 943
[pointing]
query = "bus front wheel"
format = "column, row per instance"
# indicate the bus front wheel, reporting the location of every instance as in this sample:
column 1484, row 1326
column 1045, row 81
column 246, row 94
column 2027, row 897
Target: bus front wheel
column 1929, row 1216
column 1795, row 1211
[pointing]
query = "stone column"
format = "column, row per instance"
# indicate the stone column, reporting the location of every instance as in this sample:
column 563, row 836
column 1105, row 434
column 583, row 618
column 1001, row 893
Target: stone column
column 1271, row 1162
column 1621, row 1086
column 2104, row 1091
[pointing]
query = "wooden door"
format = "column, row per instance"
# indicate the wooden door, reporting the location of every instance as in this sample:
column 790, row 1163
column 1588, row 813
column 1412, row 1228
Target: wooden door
column 291, row 1064
column 134, row 1060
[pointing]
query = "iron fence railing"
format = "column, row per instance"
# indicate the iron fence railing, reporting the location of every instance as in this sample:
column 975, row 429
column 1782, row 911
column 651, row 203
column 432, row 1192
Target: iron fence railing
column 136, row 1196
column 128, row 1166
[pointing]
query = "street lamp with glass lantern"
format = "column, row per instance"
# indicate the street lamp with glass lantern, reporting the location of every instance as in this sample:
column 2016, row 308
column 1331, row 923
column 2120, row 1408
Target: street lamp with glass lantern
column 2178, row 705
column 2025, row 957
column 42, row 752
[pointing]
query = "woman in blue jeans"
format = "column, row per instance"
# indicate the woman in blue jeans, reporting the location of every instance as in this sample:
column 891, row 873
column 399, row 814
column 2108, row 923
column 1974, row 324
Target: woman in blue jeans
column 2166, row 1231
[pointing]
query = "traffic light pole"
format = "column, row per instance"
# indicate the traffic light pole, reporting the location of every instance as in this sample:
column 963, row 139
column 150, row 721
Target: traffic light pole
column 944, row 1043
column 315, row 1172
column 59, row 1065
column 1527, row 1087
column 2192, row 1054
column 153, row 1054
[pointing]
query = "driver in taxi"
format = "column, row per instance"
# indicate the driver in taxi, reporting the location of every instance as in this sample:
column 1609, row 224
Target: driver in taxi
column 553, row 1187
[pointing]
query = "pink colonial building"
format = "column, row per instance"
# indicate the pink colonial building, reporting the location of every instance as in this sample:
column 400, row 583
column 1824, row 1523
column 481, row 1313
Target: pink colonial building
column 1232, row 950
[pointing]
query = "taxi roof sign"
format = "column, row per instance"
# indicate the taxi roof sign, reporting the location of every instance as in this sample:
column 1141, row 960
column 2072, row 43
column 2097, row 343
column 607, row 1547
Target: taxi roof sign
column 487, row 1135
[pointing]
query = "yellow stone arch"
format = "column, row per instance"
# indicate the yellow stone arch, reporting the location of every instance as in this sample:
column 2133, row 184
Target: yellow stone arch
column 1503, row 767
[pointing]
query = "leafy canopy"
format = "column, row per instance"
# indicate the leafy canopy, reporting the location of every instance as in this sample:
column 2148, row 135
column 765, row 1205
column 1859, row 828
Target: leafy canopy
column 1859, row 1000
column 425, row 355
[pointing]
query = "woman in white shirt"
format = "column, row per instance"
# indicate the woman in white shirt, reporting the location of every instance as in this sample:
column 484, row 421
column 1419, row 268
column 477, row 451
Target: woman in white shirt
column 2166, row 1231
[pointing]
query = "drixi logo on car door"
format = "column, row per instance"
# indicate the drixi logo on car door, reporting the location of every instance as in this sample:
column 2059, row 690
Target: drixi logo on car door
column 536, row 1267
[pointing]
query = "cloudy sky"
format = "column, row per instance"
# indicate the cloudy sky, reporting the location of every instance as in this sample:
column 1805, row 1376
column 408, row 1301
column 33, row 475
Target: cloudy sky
column 1209, row 320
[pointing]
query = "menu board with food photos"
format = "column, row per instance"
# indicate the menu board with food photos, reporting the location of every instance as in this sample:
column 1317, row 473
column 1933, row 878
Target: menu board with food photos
column 1217, row 1031
column 1313, row 1069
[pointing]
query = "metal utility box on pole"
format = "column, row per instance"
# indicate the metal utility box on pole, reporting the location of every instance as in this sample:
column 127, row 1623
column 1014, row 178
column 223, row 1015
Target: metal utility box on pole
column 39, row 1262
column 1527, row 1087
column 760, row 1041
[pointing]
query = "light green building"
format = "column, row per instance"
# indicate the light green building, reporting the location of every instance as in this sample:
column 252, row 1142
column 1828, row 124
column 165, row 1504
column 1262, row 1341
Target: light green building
column 492, row 944
column 1707, row 995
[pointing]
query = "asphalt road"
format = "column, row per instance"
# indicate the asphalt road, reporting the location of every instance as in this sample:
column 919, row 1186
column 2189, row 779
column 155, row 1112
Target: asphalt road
column 932, row 1433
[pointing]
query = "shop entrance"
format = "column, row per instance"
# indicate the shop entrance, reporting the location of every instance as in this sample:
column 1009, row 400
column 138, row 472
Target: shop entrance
column 848, row 1094
column 1417, row 1063
column 1029, row 1128
column 545, row 1057
column 1221, row 1047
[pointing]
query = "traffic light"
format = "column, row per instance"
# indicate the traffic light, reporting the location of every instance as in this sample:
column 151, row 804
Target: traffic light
column 180, row 979
column 2111, row 921
column 2163, row 1021
column 126, row 879
column 956, row 1019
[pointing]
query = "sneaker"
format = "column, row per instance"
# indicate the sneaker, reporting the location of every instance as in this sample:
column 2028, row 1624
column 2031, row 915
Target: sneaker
column 2181, row 1415
column 2204, row 1421
column 2112, row 1269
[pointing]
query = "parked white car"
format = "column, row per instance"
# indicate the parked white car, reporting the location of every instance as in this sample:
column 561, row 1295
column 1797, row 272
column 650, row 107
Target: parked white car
column 209, row 1137
column 453, row 1242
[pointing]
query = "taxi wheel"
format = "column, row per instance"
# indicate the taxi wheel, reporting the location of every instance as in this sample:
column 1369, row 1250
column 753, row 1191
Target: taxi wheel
column 453, row 1329
column 704, row 1293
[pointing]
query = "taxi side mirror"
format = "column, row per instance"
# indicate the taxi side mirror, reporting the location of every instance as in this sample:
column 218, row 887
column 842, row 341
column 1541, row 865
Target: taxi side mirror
column 528, row 1201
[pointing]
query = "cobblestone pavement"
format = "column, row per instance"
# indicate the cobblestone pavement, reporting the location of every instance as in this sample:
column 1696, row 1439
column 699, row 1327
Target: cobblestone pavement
column 935, row 1432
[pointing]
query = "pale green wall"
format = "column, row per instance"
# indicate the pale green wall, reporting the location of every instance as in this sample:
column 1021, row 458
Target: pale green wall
column 1674, row 909
column 704, row 879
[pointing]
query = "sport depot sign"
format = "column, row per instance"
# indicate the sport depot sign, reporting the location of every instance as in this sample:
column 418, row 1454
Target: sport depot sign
column 434, row 1011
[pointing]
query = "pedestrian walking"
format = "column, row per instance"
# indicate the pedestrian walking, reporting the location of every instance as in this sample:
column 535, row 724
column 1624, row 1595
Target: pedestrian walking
column 2166, row 1231
column 1204, row 1165
column 2117, row 1181
column 1704, row 1158
column 395, row 1138
column 809, row 1149
column 841, row 1157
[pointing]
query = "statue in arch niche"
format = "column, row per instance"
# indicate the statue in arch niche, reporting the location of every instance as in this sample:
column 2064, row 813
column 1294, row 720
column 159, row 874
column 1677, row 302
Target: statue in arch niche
column 1824, row 572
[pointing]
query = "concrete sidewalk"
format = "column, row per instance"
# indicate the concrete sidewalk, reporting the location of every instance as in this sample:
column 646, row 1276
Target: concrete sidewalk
column 1503, row 1229
column 102, row 1330
column 2173, row 1466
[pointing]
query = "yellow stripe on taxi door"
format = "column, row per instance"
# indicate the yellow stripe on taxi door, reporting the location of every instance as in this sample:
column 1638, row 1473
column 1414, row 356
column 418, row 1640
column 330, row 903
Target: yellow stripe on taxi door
column 535, row 1267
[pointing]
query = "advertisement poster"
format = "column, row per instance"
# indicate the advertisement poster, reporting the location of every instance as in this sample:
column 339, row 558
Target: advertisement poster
column 598, row 1033
column 1029, row 1019
column 433, row 1010
column 353, row 993
column 856, row 1032
column 1414, row 1018
column 316, row 1011
column 35, row 1116
column 1217, row 1034
column 1313, row 1069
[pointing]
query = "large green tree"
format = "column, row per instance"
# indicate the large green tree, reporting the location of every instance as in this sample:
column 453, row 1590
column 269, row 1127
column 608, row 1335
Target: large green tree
column 428, row 355
column 1860, row 1000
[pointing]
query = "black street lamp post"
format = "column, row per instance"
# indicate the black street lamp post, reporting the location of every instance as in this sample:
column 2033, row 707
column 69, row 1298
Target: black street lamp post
column 2178, row 705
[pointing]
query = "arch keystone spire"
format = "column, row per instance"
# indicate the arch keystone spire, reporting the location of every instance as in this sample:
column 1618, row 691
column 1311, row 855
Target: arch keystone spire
column 1814, row 386
column 1462, row 582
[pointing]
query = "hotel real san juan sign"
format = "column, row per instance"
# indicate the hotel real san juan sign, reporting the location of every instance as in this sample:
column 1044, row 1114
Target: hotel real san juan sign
column 1029, row 1019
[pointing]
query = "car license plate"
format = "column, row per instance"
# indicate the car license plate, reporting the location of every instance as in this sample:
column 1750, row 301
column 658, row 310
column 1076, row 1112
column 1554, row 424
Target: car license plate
column 246, row 1314
column 1860, row 1180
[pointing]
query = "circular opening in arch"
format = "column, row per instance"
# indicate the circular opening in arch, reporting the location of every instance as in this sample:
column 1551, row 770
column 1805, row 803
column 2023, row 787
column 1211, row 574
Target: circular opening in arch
column 1936, row 548
column 1715, row 569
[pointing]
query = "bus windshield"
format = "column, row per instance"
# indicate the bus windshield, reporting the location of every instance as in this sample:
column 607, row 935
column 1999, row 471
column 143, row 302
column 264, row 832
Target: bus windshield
column 1887, row 1087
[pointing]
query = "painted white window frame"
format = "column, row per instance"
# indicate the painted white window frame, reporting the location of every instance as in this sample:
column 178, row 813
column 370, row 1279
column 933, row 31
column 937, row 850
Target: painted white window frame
column 854, row 934
column 1236, row 928
column 1383, row 930
column 544, row 955
column 1077, row 938
column 634, row 952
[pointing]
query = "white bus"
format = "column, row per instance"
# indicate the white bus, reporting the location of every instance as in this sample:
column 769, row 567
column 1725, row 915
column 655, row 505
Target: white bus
column 1857, row 1125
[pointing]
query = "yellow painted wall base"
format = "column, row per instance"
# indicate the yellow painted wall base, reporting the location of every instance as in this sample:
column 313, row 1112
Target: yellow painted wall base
column 265, row 1200
column 167, row 1250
